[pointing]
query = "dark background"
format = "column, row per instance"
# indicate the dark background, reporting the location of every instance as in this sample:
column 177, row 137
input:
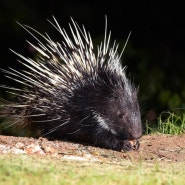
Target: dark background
column 155, row 54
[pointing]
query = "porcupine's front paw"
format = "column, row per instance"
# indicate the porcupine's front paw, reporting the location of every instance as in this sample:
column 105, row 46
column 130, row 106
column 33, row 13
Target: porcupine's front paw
column 130, row 145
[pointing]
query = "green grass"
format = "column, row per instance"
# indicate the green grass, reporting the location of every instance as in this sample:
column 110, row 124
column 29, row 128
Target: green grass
column 168, row 123
column 27, row 170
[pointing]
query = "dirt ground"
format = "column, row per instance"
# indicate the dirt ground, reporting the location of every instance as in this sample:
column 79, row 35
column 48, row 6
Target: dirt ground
column 152, row 148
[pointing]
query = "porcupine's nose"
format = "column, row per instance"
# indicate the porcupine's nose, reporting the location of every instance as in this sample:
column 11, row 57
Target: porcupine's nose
column 136, row 133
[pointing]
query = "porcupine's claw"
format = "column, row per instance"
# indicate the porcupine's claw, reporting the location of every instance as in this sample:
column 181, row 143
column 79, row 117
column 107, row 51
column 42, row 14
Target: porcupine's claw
column 129, row 145
column 135, row 144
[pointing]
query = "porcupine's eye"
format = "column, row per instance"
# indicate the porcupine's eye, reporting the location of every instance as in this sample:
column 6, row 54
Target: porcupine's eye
column 120, row 114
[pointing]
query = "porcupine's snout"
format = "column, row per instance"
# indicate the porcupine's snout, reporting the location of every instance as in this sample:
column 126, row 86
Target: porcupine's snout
column 135, row 129
column 129, row 126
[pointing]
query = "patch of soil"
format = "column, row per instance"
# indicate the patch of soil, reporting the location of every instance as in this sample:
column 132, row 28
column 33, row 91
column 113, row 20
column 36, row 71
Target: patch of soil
column 152, row 148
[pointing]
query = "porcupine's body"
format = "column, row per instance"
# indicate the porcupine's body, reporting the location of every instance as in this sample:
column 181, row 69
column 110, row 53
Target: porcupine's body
column 71, row 94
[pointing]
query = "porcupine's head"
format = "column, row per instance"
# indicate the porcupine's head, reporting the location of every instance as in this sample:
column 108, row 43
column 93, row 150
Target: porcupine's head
column 69, row 84
column 119, row 111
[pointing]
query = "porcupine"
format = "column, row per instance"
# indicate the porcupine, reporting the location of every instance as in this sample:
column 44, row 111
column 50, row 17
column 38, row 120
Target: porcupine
column 72, row 94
